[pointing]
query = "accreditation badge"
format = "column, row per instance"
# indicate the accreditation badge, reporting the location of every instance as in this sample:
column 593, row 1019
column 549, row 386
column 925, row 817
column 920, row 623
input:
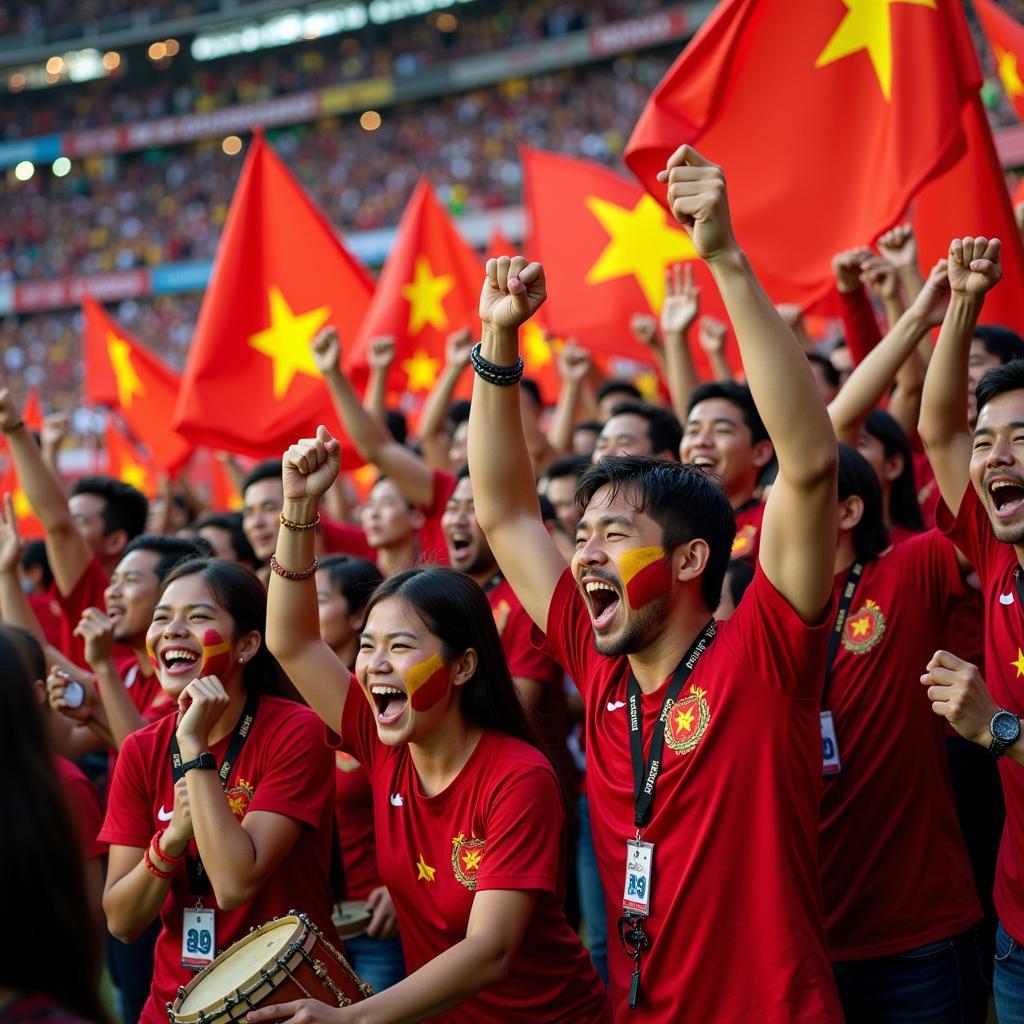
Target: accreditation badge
column 198, row 938
column 636, row 897
column 829, row 745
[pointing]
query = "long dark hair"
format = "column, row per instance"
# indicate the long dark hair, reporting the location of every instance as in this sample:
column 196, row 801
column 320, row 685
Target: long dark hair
column 870, row 537
column 239, row 592
column 354, row 578
column 41, row 860
column 904, row 509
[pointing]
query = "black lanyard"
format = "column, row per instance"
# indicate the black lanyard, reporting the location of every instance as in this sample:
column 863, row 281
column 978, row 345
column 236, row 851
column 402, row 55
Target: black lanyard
column 198, row 883
column 645, row 777
column 495, row 581
column 845, row 600
column 1018, row 582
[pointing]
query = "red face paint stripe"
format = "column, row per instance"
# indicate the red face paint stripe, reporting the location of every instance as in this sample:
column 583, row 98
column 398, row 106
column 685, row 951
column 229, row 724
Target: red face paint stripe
column 216, row 654
column 427, row 682
column 645, row 575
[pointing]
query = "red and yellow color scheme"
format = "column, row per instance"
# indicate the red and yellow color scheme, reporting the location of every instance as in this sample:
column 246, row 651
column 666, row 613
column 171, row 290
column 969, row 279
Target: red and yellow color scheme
column 250, row 384
column 427, row 682
column 239, row 797
column 864, row 629
column 645, row 575
column 743, row 542
column 687, row 720
column 1006, row 37
column 127, row 463
column 28, row 525
column 32, row 411
column 424, row 872
column 501, row 611
column 466, row 857
column 216, row 656
column 345, row 762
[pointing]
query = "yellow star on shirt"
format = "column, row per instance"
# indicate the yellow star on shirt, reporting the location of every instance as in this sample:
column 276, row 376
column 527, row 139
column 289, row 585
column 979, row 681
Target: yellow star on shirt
column 421, row 371
column 1019, row 663
column 286, row 341
column 684, row 719
column 424, row 872
column 867, row 25
column 426, row 297
column 128, row 383
column 471, row 860
column 860, row 627
column 1009, row 75
column 640, row 243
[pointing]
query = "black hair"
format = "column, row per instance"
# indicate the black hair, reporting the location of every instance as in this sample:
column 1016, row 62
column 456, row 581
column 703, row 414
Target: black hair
column 268, row 469
column 998, row 381
column 740, row 396
column 594, row 425
column 618, row 386
column 1001, row 342
column 231, row 523
column 458, row 412
column 124, row 507
column 828, row 368
column 663, row 426
column 567, row 465
column 397, row 425
column 171, row 550
column 547, row 510
column 35, row 554
column 239, row 592
column 904, row 509
column 41, row 858
column 870, row 537
column 531, row 387
column 739, row 574
column 683, row 500
column 354, row 578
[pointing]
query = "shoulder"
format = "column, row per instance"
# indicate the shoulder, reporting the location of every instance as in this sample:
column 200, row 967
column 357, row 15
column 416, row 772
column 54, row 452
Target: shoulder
column 509, row 759
column 287, row 722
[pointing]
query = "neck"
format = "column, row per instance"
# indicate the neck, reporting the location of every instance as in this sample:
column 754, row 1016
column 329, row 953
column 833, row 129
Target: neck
column 225, row 725
column 346, row 652
column 439, row 757
column 139, row 650
column 739, row 496
column 485, row 575
column 659, row 659
column 845, row 553
column 396, row 557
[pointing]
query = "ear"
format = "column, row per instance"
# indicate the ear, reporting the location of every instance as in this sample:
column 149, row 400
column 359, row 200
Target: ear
column 851, row 510
column 418, row 518
column 691, row 559
column 248, row 645
column 762, row 453
column 355, row 621
column 465, row 667
column 894, row 465
column 114, row 543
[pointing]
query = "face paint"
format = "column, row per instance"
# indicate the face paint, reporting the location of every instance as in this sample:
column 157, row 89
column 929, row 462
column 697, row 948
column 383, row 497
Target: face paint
column 152, row 654
column 216, row 654
column 427, row 682
column 645, row 575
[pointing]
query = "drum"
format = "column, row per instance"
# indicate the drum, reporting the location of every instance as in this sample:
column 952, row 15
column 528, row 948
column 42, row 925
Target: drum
column 284, row 960
column 351, row 918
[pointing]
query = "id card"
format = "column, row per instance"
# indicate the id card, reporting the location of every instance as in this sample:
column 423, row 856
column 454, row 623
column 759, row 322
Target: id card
column 829, row 746
column 198, row 939
column 636, row 897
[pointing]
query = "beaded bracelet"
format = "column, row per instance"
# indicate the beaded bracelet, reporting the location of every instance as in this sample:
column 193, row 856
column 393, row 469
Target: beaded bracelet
column 501, row 376
column 289, row 525
column 155, row 847
column 288, row 574
column 153, row 869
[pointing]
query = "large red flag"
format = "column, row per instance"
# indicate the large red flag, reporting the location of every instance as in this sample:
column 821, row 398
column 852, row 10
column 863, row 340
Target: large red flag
column 827, row 118
column 429, row 287
column 32, row 411
column 127, row 463
column 1006, row 37
column 250, row 384
column 28, row 525
column 122, row 374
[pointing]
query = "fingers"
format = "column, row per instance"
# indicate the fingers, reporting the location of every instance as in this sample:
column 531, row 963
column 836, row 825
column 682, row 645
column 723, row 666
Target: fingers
column 327, row 439
column 943, row 659
column 684, row 156
column 278, row 1011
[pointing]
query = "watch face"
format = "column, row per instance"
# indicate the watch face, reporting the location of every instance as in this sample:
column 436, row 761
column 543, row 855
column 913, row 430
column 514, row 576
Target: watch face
column 1006, row 726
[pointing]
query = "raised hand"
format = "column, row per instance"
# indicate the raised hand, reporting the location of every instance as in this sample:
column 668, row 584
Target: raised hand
column 878, row 275
column 382, row 353
column 644, row 328
column 899, row 247
column 10, row 414
column 56, row 427
column 457, row 348
column 698, row 200
column 682, row 300
column 574, row 362
column 513, row 291
column 97, row 630
column 974, row 265
column 933, row 298
column 310, row 466
column 11, row 544
column 326, row 348
column 846, row 266
column 712, row 335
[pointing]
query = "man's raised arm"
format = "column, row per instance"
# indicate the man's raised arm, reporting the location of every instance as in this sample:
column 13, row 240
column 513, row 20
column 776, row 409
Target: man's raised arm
column 504, row 490
column 799, row 530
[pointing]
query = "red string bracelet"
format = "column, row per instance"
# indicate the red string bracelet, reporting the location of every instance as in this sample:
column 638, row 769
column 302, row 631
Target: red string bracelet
column 153, row 869
column 155, row 847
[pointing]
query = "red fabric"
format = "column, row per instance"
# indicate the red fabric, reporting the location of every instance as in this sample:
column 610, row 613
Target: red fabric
column 894, row 870
column 86, row 593
column 145, row 691
column 747, row 542
column 433, row 546
column 353, row 818
column 278, row 253
column 502, row 809
column 48, row 615
column 285, row 768
column 127, row 462
column 928, row 496
column 996, row 564
column 860, row 328
column 736, row 924
column 844, row 156
column 346, row 539
column 84, row 804
column 28, row 525
column 1006, row 37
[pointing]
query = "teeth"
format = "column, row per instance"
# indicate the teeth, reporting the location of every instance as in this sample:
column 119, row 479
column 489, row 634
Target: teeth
column 386, row 690
column 999, row 484
column 179, row 656
column 591, row 587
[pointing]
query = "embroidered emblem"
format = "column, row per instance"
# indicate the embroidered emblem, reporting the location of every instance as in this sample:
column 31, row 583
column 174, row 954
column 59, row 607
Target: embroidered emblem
column 743, row 542
column 501, row 613
column 686, row 720
column 466, row 857
column 864, row 629
column 345, row 762
column 239, row 797
column 424, row 872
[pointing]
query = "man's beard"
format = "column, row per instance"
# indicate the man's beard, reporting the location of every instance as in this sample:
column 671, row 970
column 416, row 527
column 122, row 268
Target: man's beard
column 642, row 628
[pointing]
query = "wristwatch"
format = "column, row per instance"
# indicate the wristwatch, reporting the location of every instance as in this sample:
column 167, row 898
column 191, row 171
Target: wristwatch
column 207, row 760
column 1005, row 729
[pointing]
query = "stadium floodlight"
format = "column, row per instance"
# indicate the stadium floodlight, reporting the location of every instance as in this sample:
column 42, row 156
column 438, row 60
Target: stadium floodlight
column 24, row 170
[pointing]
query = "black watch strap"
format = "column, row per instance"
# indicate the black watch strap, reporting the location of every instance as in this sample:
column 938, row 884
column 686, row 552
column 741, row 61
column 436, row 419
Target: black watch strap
column 205, row 760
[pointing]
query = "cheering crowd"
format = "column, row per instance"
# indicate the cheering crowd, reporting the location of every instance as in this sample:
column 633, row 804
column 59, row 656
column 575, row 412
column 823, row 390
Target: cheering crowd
column 721, row 682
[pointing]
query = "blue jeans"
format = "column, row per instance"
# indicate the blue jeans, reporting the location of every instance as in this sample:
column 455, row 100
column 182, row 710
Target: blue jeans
column 591, row 894
column 1009, row 978
column 939, row 983
column 377, row 961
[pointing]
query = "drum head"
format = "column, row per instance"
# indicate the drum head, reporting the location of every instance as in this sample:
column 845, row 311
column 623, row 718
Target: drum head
column 351, row 918
column 239, row 966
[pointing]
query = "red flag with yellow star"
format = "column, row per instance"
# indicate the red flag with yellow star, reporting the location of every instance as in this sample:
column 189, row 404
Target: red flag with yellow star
column 126, row 462
column 122, row 374
column 28, row 525
column 827, row 118
column 1006, row 37
column 429, row 287
column 32, row 411
column 250, row 383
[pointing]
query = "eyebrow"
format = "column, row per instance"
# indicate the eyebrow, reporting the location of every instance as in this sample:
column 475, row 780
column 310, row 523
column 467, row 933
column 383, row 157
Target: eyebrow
column 188, row 607
column 391, row 636
column 605, row 521
column 1013, row 425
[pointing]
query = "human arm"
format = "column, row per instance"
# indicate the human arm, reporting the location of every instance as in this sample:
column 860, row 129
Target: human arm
column 381, row 356
column 973, row 268
column 234, row 470
column 574, row 364
column 383, row 916
column 51, row 437
column 644, row 329
column 678, row 312
column 14, row 605
column 879, row 277
column 899, row 247
column 711, row 338
column 859, row 325
column 433, row 436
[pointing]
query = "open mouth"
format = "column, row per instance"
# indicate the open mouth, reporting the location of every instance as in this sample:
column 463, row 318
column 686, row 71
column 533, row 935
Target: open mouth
column 115, row 612
column 603, row 599
column 460, row 544
column 390, row 702
column 178, row 661
column 1007, row 496
column 704, row 462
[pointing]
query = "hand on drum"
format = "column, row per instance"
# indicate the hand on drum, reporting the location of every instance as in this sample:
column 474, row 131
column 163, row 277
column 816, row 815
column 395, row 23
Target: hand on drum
column 305, row 1011
column 384, row 922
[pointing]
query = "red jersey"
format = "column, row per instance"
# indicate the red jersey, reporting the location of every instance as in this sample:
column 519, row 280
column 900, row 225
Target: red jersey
column 353, row 818
column 894, row 870
column 345, row 539
column 49, row 616
column 928, row 495
column 84, row 804
column 283, row 767
column 433, row 546
column 86, row 593
column 996, row 565
column 145, row 691
column 747, row 541
column 736, row 918
column 497, row 825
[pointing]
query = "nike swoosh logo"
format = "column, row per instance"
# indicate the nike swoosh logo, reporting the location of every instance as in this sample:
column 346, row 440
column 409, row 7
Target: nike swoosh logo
column 1006, row 598
column 164, row 815
column 614, row 705
column 396, row 800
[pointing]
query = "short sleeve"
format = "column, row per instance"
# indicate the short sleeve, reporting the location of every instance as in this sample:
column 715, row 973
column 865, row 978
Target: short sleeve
column 299, row 778
column 524, row 660
column 569, row 638
column 442, row 485
column 129, row 820
column 84, row 803
column 928, row 562
column 358, row 733
column 86, row 593
column 523, row 824
column 971, row 531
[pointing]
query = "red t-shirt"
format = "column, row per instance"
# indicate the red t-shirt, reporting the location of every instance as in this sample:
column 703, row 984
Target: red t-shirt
column 283, row 767
column 145, row 691
column 747, row 541
column 86, row 593
column 736, row 918
column 353, row 817
column 433, row 546
column 996, row 564
column 497, row 825
column 49, row 616
column 928, row 495
column 894, row 870
column 84, row 803
column 345, row 539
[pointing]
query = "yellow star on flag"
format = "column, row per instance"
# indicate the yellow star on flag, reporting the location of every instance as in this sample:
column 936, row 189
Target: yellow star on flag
column 536, row 350
column 640, row 243
column 860, row 627
column 128, row 383
column 421, row 371
column 286, row 341
column 684, row 719
column 22, row 508
column 132, row 473
column 1008, row 73
column 867, row 25
column 426, row 297
column 1019, row 663
column 424, row 872
column 647, row 385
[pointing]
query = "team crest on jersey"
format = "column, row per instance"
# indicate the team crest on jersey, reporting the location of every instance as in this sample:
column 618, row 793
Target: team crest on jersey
column 501, row 613
column 687, row 720
column 466, row 857
column 864, row 629
column 743, row 542
column 239, row 797
column 345, row 762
